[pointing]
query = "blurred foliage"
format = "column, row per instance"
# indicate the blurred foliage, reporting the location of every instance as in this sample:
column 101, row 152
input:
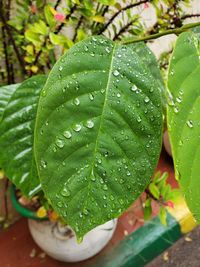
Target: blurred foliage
column 161, row 192
column 34, row 33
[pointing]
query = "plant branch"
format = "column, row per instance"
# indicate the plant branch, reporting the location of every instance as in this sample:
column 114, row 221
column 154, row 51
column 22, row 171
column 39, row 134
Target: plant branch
column 9, row 80
column 57, row 4
column 10, row 36
column 190, row 16
column 56, row 32
column 123, row 30
column 66, row 18
column 77, row 27
column 121, row 10
column 160, row 34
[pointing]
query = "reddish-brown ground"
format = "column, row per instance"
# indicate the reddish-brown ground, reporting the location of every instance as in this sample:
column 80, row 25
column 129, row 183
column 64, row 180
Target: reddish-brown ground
column 17, row 248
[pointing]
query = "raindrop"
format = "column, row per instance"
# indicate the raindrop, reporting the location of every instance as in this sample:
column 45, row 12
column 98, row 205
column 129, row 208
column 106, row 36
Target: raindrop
column 139, row 119
column 93, row 179
column 134, row 88
column 104, row 197
column 91, row 97
column 44, row 93
column 106, row 154
column 111, row 197
column 121, row 201
column 105, row 187
column 77, row 127
column 108, row 50
column 86, row 48
column 60, row 68
column 190, row 123
column 101, row 181
column 146, row 100
column 43, row 164
column 176, row 110
column 59, row 143
column 178, row 99
column 59, row 204
column 89, row 124
column 115, row 72
column 118, row 95
column 128, row 173
column 67, row 134
column 92, row 54
column 76, row 101
column 85, row 211
column 65, row 192
column 99, row 161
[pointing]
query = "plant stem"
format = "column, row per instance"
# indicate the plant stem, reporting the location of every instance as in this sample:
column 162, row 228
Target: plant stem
column 160, row 34
column 76, row 28
column 123, row 29
column 121, row 10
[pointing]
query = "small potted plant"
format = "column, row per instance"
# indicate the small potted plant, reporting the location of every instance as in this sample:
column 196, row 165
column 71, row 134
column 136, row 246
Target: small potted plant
column 87, row 139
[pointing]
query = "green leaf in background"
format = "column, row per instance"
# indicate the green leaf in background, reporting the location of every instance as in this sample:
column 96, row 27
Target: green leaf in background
column 16, row 135
column 184, row 115
column 107, row 2
column 5, row 94
column 100, row 115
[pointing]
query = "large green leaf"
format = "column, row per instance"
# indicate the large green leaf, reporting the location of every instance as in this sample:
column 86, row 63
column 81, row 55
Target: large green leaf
column 98, row 132
column 5, row 95
column 184, row 114
column 16, row 135
column 149, row 59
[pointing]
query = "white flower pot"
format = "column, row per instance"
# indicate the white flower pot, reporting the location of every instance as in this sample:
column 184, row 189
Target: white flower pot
column 60, row 243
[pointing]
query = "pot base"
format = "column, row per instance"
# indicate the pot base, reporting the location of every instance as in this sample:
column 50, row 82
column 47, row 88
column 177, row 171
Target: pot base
column 59, row 242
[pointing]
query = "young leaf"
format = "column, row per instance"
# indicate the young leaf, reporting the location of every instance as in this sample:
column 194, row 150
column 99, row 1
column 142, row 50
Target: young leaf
column 154, row 190
column 16, row 135
column 183, row 116
column 103, row 136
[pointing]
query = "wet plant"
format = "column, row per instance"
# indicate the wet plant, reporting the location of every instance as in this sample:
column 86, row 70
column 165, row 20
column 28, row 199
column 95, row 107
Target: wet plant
column 89, row 135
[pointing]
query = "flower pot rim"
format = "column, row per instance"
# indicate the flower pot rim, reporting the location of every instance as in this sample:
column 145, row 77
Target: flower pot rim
column 25, row 212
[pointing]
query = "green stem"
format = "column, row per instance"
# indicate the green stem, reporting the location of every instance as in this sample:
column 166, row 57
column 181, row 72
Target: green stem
column 160, row 34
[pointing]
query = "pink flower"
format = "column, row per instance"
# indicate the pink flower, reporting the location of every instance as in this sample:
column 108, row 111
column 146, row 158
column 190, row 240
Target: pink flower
column 169, row 203
column 33, row 9
column 59, row 17
column 146, row 5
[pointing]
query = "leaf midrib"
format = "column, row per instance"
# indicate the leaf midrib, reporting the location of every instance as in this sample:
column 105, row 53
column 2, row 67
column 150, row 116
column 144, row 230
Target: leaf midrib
column 100, row 123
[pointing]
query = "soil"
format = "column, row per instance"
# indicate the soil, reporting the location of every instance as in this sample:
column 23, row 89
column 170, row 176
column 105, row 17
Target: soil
column 184, row 253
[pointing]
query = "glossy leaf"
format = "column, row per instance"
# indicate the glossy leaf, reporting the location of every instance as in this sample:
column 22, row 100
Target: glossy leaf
column 184, row 114
column 100, row 114
column 16, row 136
column 5, row 94
column 149, row 59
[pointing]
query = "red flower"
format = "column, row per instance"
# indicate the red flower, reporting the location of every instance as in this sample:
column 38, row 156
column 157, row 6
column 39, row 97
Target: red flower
column 34, row 9
column 146, row 5
column 169, row 203
column 59, row 17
